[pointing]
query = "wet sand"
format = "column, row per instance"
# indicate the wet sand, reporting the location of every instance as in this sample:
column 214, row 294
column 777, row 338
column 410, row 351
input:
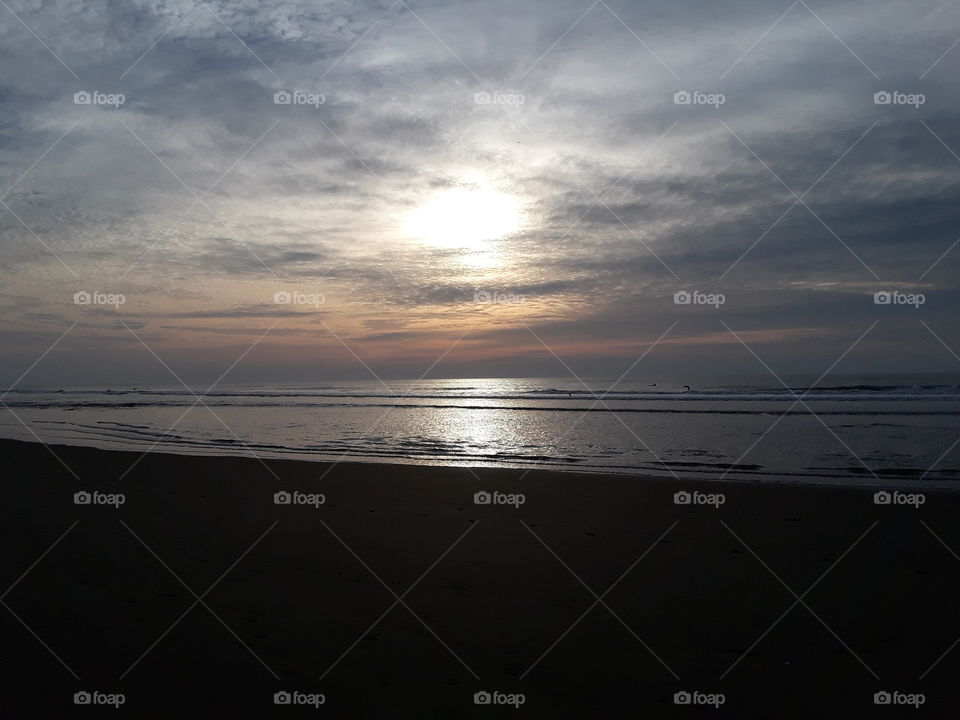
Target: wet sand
column 398, row 596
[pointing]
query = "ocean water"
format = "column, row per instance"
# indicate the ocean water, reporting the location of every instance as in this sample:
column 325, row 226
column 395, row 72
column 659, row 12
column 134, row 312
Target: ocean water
column 858, row 430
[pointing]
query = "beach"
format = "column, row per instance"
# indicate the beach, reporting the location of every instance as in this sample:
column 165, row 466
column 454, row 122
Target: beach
column 190, row 586
column 451, row 360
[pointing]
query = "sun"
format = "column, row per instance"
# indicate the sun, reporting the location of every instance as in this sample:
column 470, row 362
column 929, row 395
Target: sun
column 465, row 219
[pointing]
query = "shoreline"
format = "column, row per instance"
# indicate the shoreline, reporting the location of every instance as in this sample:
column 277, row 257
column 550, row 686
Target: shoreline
column 303, row 597
column 859, row 480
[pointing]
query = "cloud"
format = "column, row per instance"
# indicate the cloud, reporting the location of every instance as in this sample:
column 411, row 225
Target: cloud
column 199, row 196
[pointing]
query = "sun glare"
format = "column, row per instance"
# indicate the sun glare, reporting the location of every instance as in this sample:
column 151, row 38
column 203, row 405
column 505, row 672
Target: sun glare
column 465, row 219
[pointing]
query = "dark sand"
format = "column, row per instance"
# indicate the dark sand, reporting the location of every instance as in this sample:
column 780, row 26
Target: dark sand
column 499, row 600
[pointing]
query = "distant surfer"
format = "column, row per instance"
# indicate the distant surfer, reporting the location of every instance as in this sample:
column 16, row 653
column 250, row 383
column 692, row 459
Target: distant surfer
column 686, row 388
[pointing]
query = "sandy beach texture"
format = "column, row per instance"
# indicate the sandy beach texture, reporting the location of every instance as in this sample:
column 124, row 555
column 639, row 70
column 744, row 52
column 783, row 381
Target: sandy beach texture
column 396, row 595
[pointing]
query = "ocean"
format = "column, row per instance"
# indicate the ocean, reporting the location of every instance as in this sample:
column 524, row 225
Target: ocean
column 897, row 430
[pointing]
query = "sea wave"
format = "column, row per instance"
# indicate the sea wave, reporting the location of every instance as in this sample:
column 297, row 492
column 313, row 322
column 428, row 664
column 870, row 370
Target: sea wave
column 492, row 408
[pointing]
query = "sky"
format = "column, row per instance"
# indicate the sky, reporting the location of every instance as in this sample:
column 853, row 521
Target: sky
column 254, row 191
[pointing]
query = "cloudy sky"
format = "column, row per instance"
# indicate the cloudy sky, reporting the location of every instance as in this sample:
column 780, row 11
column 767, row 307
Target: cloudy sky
column 349, row 188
